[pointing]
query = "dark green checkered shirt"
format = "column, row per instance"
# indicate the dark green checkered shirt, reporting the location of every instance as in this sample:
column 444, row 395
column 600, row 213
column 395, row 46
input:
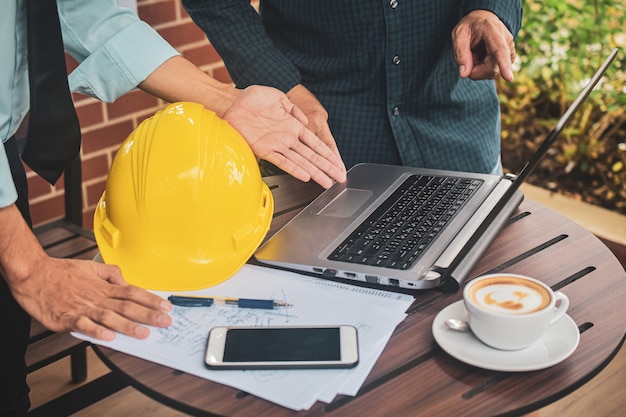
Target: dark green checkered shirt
column 383, row 69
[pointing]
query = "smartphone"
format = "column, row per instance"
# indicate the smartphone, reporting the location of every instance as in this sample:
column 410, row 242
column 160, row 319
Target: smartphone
column 281, row 347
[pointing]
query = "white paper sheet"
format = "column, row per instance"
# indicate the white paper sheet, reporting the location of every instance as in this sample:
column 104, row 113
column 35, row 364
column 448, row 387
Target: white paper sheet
column 374, row 313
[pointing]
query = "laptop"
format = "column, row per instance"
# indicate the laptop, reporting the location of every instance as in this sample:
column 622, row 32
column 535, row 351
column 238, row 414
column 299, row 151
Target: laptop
column 397, row 227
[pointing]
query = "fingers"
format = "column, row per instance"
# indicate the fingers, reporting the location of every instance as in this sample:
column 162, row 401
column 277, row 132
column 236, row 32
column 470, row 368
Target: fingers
column 322, row 157
column 274, row 127
column 309, row 159
column 461, row 37
column 296, row 112
column 487, row 69
column 318, row 137
column 110, row 273
column 87, row 327
column 318, row 124
column 133, row 302
column 305, row 158
column 483, row 47
column 500, row 56
column 322, row 130
column 126, row 310
column 96, row 301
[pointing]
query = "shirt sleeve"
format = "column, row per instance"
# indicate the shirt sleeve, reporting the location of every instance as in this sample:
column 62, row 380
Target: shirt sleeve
column 509, row 11
column 116, row 51
column 235, row 30
column 8, row 193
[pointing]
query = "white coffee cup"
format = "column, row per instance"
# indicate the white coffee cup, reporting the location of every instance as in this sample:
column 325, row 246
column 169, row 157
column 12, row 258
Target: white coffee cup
column 510, row 311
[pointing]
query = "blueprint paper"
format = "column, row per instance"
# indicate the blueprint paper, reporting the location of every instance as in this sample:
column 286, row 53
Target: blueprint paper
column 374, row 313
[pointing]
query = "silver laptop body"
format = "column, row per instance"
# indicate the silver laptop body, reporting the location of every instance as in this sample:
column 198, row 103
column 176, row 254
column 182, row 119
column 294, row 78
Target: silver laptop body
column 312, row 240
column 306, row 242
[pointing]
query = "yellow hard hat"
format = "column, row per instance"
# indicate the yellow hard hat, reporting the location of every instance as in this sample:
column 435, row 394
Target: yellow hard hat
column 184, row 206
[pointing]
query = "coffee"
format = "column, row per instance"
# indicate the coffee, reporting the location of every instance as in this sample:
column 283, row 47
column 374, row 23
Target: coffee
column 510, row 311
column 510, row 294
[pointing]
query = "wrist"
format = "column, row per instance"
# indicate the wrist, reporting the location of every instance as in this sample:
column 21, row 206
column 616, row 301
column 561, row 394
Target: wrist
column 221, row 98
column 20, row 252
column 482, row 14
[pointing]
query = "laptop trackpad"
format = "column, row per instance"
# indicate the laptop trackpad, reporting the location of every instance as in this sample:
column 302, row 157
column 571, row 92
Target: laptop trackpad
column 346, row 203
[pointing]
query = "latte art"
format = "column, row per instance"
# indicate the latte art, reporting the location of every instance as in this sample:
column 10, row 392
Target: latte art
column 510, row 295
column 511, row 311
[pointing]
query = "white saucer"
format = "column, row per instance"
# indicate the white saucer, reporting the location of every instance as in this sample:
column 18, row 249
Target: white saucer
column 556, row 345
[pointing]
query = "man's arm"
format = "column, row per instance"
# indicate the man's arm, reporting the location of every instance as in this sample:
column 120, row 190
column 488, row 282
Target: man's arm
column 236, row 31
column 271, row 124
column 117, row 52
column 73, row 295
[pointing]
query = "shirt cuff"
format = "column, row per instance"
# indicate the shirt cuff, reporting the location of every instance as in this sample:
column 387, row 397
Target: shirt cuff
column 509, row 12
column 272, row 69
column 8, row 193
column 122, row 63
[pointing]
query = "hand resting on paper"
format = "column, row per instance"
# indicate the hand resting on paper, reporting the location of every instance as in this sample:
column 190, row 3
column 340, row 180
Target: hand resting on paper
column 73, row 295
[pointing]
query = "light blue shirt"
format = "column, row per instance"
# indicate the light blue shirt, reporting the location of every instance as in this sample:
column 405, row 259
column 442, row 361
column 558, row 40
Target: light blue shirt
column 115, row 50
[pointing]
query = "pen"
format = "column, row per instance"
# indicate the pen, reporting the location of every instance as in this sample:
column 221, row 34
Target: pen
column 194, row 301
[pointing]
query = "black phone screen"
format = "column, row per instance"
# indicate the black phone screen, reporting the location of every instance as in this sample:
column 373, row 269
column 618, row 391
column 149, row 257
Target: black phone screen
column 269, row 345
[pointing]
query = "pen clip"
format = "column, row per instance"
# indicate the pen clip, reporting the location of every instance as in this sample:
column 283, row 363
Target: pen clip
column 184, row 301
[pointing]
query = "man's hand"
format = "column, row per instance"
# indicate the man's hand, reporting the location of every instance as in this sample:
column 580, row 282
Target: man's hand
column 271, row 124
column 275, row 130
column 483, row 47
column 315, row 113
column 73, row 295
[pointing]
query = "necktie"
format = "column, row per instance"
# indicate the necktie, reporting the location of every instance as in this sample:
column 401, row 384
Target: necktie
column 53, row 138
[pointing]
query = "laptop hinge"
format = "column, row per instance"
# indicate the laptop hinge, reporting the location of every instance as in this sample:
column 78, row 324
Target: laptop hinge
column 453, row 276
column 510, row 176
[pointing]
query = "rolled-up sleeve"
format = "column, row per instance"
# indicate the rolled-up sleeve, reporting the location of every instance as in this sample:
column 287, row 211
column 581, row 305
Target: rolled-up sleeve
column 509, row 11
column 116, row 51
column 237, row 34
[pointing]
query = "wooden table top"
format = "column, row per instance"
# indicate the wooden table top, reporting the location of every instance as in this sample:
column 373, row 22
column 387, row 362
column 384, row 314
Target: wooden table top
column 414, row 376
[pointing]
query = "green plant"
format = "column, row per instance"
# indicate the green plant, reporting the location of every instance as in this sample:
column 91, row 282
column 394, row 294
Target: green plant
column 561, row 44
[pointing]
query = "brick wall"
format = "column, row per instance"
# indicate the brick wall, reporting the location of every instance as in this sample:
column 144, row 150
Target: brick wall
column 105, row 125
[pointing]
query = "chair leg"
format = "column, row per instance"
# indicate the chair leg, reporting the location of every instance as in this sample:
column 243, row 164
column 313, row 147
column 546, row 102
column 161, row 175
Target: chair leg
column 73, row 193
column 81, row 397
column 78, row 363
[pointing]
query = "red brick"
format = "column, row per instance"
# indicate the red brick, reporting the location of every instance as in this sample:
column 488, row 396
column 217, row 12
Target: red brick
column 157, row 13
column 109, row 136
column 47, row 210
column 132, row 102
column 140, row 117
column 38, row 187
column 113, row 153
column 183, row 34
column 94, row 192
column 183, row 12
column 88, row 220
column 78, row 98
column 90, row 114
column 95, row 167
column 221, row 74
column 142, row 114
column 70, row 63
column 202, row 55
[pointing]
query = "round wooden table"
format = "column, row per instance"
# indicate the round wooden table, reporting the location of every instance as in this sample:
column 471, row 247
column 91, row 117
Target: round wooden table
column 414, row 376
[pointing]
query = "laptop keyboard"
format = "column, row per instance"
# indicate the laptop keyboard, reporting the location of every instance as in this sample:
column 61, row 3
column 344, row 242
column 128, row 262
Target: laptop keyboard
column 403, row 227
